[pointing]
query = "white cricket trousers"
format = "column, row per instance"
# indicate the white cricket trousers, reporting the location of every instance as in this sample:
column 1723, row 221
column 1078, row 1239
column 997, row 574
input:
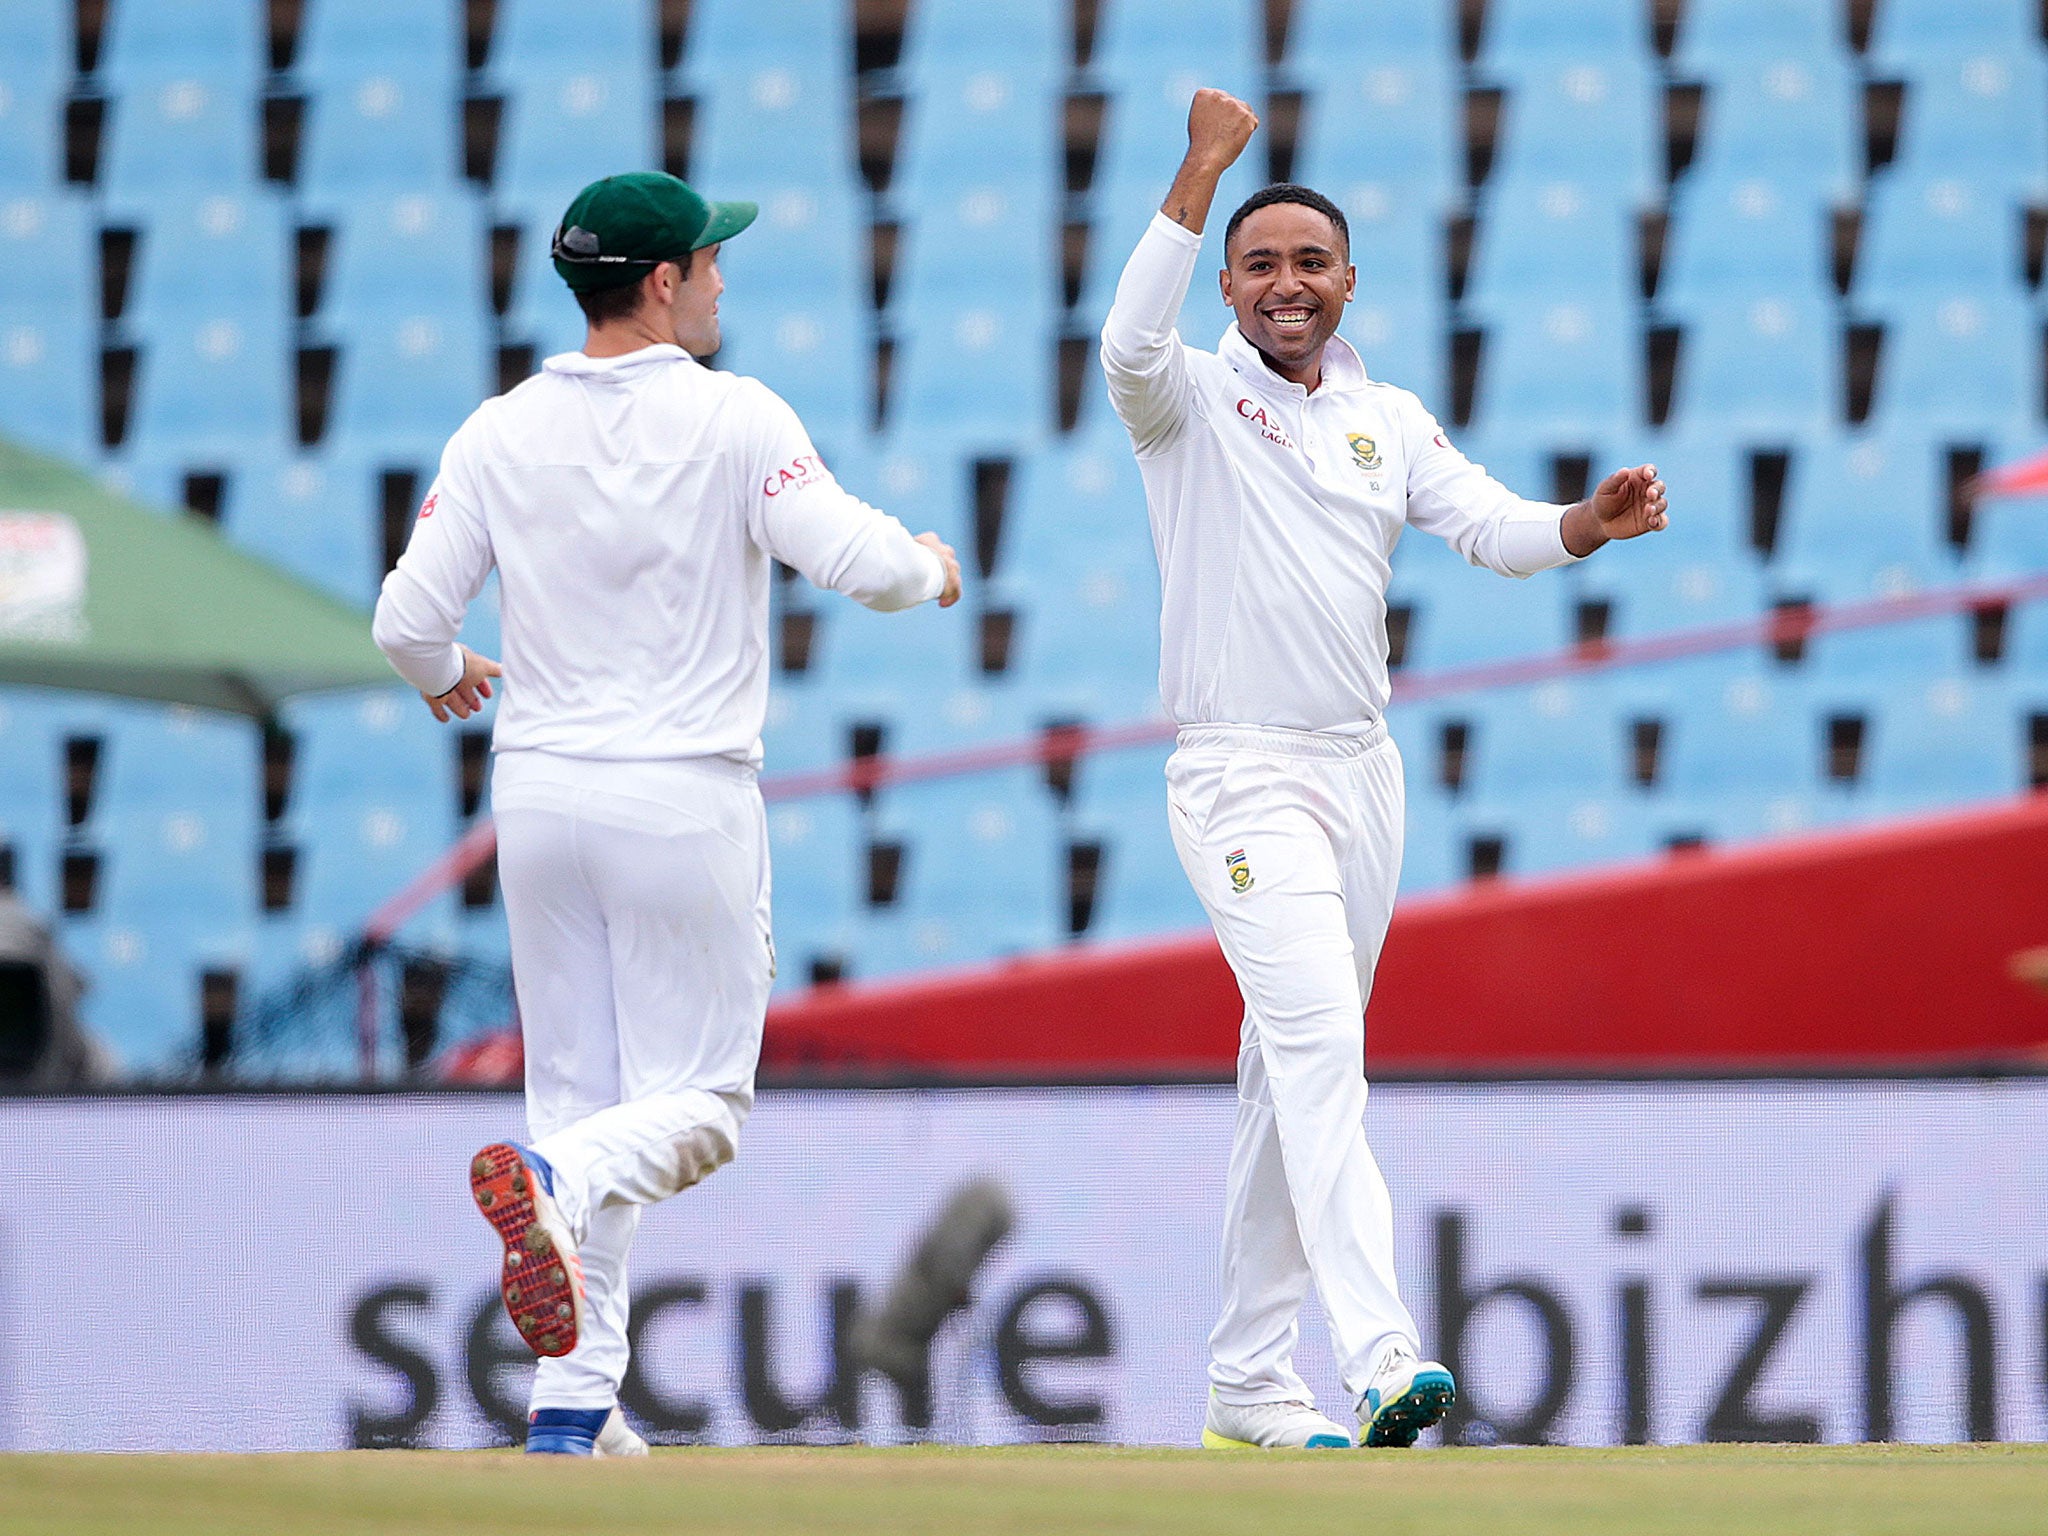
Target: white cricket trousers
column 637, row 897
column 1292, row 840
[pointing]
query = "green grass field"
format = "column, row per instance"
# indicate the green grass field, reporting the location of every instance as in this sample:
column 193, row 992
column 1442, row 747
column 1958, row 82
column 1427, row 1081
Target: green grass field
column 1728, row 1490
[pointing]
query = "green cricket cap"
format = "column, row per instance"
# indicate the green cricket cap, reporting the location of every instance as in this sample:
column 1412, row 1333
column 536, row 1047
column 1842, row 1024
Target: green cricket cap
column 618, row 229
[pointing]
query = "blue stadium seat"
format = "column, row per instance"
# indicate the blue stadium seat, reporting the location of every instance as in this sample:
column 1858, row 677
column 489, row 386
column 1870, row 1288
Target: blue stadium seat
column 1401, row 340
column 1925, row 234
column 1141, row 891
column 563, row 129
column 983, row 874
column 1558, row 242
column 1334, row 32
column 819, row 880
column 978, row 246
column 2009, row 534
column 817, row 356
column 1906, row 33
column 1984, row 118
column 537, row 38
column 955, row 36
column 142, row 992
column 807, row 249
column 1557, row 739
column 1703, row 569
column 420, row 253
column 1766, row 365
column 1215, row 40
column 1742, row 759
column 1793, row 123
column 1465, row 614
column 543, row 313
column 32, row 814
column 1077, row 508
column 1391, row 125
column 1744, row 238
column 317, row 516
column 213, row 321
column 31, row 135
column 1566, row 366
column 168, row 139
column 380, row 131
column 727, row 34
column 803, row 731
column 155, row 41
column 405, row 383
column 1966, row 361
column 1718, row 36
column 1568, row 831
column 1518, row 30
column 925, row 487
column 214, row 385
column 1944, row 742
column 50, row 378
column 1429, row 859
column 373, row 802
column 968, row 128
column 224, row 255
column 1594, row 118
column 1863, row 516
column 774, row 124
column 352, row 38
column 982, row 376
column 36, row 42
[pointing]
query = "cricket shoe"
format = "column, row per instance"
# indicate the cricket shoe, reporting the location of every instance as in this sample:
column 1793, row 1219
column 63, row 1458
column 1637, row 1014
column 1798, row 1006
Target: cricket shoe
column 599, row 1432
column 1406, row 1397
column 542, row 1278
column 1269, row 1427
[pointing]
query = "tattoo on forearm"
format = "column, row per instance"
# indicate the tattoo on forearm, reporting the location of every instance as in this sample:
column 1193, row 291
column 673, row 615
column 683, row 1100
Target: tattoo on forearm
column 1180, row 214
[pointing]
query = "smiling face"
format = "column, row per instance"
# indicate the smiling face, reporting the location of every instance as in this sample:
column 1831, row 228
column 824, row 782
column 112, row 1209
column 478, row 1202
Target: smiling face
column 1288, row 280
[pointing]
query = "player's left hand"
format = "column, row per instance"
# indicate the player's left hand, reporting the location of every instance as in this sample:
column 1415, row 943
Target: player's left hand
column 469, row 692
column 1631, row 502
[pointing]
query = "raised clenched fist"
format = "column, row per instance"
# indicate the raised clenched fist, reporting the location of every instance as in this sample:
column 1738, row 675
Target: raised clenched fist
column 1219, row 127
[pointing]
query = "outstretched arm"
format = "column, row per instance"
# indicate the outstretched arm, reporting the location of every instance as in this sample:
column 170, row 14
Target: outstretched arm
column 1141, row 355
column 1626, row 505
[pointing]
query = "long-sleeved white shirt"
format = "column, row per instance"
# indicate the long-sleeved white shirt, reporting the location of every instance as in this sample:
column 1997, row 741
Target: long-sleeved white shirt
column 1275, row 510
column 630, row 506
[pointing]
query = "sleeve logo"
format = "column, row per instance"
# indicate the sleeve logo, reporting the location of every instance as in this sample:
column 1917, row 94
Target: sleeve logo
column 796, row 474
column 427, row 507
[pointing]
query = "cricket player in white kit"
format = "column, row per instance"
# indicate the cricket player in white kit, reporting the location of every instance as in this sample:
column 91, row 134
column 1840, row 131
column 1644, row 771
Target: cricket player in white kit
column 630, row 500
column 1278, row 477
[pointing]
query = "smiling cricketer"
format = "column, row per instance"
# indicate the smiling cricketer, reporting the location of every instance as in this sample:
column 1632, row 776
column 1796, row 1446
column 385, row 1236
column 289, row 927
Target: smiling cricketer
column 1278, row 477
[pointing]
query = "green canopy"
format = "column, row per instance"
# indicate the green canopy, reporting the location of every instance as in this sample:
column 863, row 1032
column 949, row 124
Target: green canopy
column 96, row 593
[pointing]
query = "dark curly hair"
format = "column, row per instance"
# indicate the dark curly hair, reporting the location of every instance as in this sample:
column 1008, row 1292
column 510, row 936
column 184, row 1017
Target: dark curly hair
column 1288, row 192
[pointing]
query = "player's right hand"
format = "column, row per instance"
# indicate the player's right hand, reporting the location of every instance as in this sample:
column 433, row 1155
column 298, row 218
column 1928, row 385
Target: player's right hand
column 1219, row 127
column 950, row 593
column 469, row 692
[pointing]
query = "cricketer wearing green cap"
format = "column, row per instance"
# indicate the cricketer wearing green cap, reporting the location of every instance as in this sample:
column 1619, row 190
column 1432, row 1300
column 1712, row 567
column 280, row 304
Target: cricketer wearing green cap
column 629, row 243
column 633, row 503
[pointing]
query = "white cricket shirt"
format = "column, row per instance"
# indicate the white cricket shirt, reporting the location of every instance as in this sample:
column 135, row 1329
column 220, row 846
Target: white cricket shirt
column 630, row 506
column 1275, row 510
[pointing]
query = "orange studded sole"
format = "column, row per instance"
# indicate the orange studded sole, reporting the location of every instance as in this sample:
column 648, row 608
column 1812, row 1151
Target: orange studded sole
column 542, row 1280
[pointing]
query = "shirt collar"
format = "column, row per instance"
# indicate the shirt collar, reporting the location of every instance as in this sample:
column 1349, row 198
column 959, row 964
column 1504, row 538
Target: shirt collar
column 1343, row 368
column 584, row 364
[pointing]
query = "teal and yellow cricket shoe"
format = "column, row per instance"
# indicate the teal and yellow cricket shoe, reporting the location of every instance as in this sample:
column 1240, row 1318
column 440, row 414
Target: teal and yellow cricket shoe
column 1406, row 1397
column 1269, row 1427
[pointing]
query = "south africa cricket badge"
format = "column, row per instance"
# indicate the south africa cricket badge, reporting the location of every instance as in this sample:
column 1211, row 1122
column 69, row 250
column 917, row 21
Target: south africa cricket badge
column 1240, row 872
column 1365, row 453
